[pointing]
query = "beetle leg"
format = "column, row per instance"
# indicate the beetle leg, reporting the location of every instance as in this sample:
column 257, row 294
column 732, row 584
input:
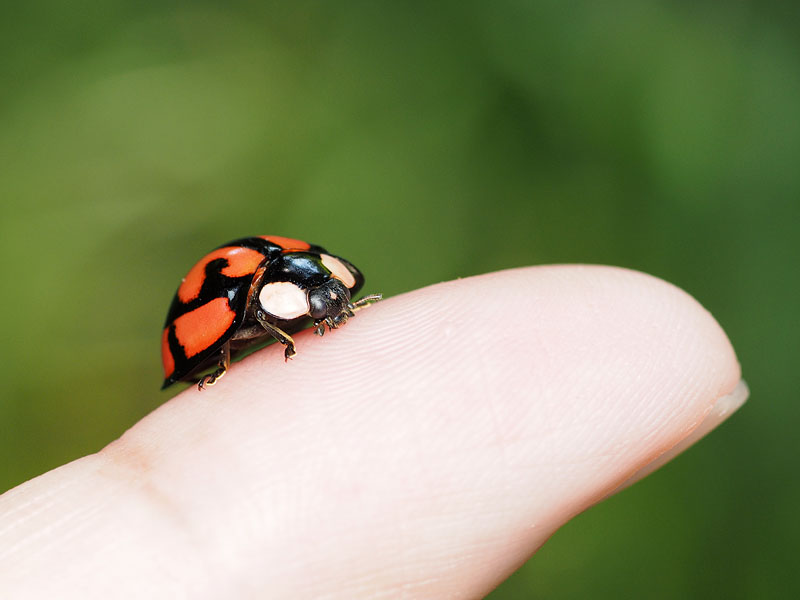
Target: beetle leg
column 222, row 367
column 280, row 335
column 332, row 323
column 349, row 311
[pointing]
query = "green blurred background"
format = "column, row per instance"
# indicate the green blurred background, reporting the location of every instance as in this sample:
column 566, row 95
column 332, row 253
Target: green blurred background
column 423, row 141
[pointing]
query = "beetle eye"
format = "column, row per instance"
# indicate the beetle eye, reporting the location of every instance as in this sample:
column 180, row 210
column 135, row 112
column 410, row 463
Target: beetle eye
column 318, row 303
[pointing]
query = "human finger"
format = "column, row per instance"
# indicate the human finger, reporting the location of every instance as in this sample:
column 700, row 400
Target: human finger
column 425, row 449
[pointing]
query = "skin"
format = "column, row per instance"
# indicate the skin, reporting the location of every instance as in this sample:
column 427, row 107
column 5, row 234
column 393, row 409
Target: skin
column 424, row 450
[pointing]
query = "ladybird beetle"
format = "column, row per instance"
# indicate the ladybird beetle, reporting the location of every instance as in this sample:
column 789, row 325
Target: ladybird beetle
column 248, row 290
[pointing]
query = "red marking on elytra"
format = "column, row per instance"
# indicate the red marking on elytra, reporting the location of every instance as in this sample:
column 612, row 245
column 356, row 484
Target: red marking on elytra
column 288, row 244
column 200, row 328
column 241, row 261
column 166, row 354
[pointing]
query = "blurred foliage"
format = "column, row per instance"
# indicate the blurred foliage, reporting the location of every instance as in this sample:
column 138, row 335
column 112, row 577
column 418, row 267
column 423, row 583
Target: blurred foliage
column 424, row 141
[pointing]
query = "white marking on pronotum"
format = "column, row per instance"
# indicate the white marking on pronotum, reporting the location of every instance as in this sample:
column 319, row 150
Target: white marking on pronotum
column 338, row 270
column 284, row 300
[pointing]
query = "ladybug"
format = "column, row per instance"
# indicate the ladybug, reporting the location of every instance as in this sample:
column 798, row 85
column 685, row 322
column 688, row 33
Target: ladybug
column 247, row 291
